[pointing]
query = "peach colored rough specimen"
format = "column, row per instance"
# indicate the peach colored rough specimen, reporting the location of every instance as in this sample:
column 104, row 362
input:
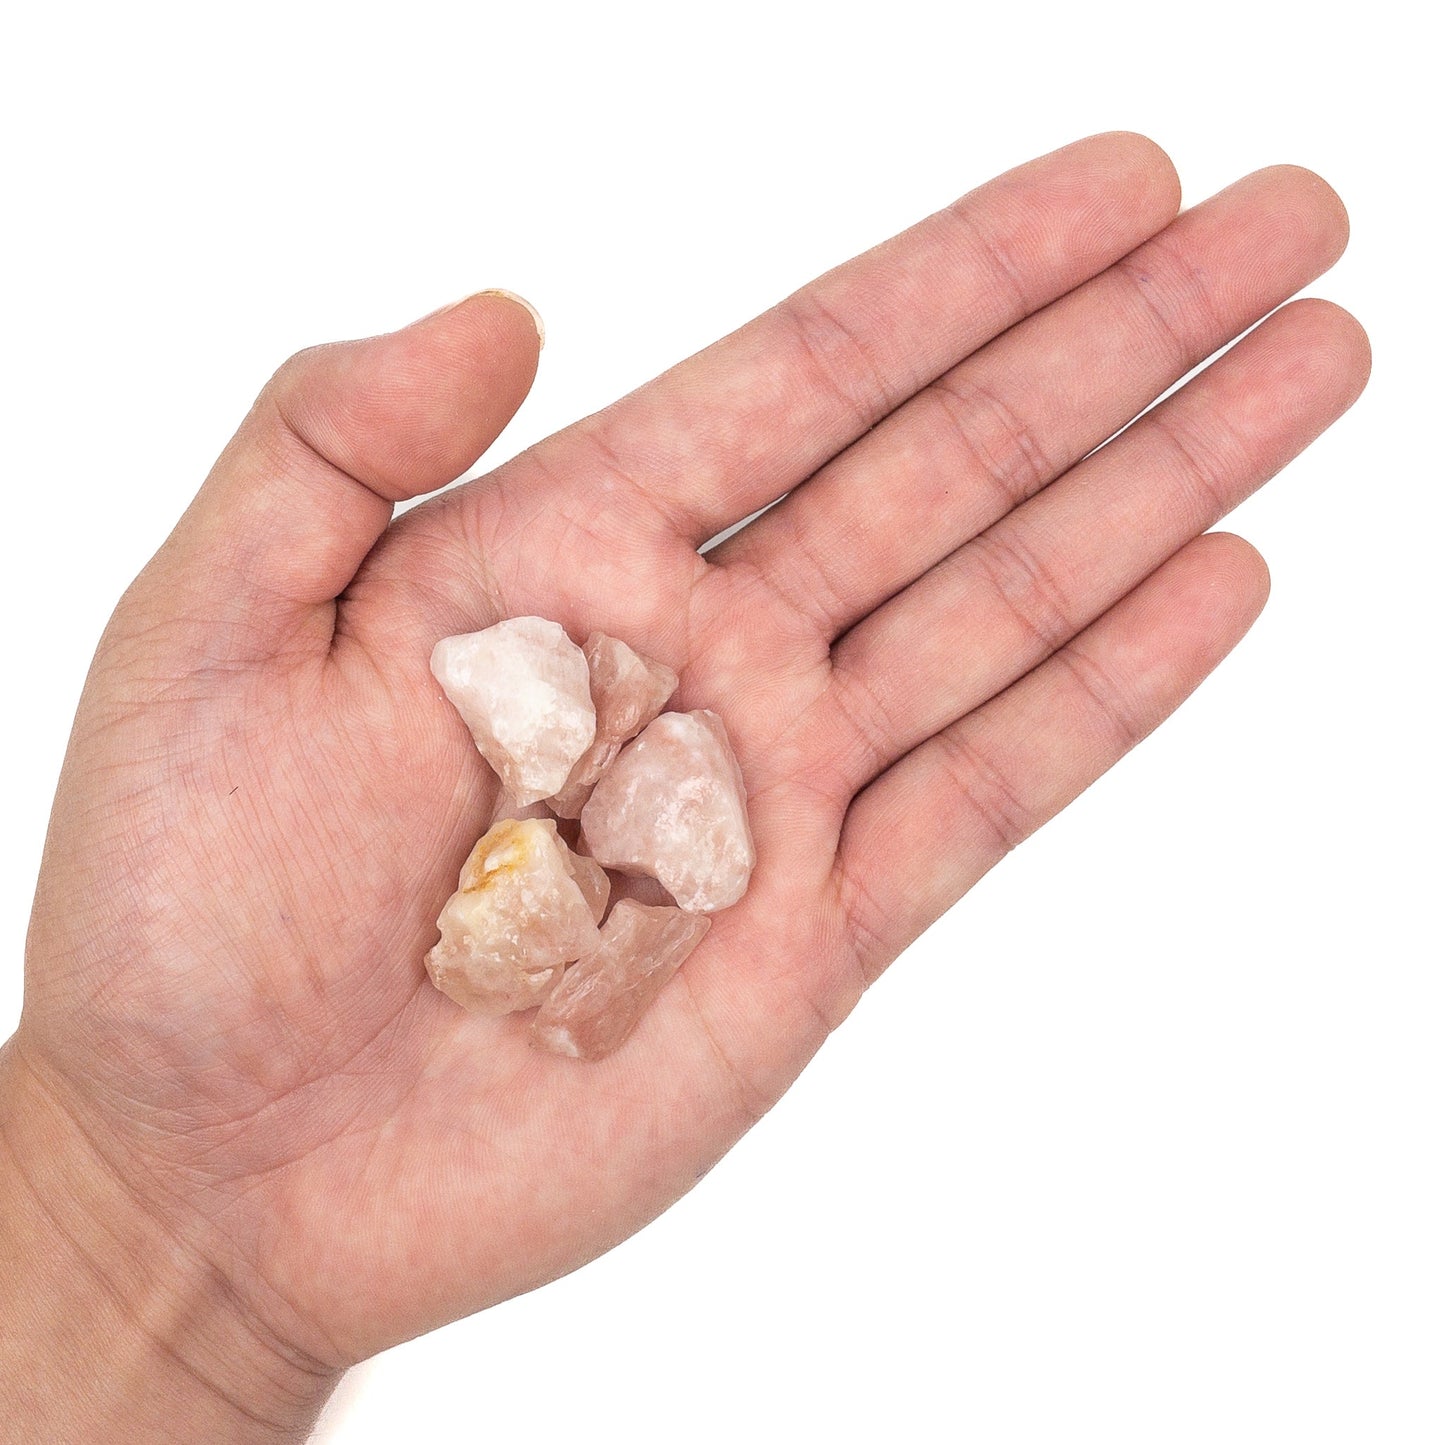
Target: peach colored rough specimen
column 577, row 732
column 628, row 691
column 673, row 806
column 525, row 907
column 600, row 999
column 523, row 689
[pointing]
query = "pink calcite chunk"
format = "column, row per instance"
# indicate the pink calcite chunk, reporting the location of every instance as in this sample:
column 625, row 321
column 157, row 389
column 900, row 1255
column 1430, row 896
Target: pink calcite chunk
column 673, row 806
column 591, row 878
column 525, row 907
column 523, row 689
column 507, row 806
column 600, row 1000
column 628, row 691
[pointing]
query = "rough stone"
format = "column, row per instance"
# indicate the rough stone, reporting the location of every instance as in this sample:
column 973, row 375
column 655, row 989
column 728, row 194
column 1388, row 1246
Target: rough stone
column 524, row 908
column 507, row 806
column 591, row 878
column 628, row 691
column 599, row 1001
column 523, row 689
column 673, row 806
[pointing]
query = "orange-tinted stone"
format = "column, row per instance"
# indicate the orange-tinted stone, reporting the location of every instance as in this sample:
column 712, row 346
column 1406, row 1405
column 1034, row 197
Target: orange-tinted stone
column 524, row 907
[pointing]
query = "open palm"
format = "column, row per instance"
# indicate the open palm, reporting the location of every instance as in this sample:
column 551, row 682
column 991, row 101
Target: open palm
column 949, row 626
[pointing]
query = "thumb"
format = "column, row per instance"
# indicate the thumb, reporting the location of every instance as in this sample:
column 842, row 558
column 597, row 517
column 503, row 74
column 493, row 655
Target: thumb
column 302, row 492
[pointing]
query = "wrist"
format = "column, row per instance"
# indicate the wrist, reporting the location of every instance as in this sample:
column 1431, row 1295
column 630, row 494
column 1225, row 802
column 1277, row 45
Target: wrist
column 115, row 1326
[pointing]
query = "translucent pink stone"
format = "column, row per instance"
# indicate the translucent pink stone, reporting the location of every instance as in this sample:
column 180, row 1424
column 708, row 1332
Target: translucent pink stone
column 507, row 806
column 600, row 999
column 524, row 907
column 523, row 689
column 628, row 691
column 591, row 878
column 673, row 806
column 640, row 889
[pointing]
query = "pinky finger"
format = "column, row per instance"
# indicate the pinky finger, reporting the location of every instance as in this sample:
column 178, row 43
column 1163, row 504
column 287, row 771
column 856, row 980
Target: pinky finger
column 922, row 834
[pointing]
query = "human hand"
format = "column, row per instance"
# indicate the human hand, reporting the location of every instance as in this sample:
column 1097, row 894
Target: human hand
column 229, row 1051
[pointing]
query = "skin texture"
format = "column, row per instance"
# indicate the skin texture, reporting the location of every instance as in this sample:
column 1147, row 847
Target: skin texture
column 255, row 1144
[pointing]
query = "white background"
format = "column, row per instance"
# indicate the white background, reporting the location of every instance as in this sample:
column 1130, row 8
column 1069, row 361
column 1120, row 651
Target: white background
column 1143, row 1142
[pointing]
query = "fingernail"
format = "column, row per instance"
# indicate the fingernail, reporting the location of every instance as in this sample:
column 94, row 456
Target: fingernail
column 531, row 311
column 496, row 291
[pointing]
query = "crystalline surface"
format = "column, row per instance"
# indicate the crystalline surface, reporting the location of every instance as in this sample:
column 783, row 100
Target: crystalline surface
column 599, row 1001
column 522, row 687
column 628, row 691
column 520, row 913
column 507, row 806
column 589, row 876
column 673, row 806
column 640, row 889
